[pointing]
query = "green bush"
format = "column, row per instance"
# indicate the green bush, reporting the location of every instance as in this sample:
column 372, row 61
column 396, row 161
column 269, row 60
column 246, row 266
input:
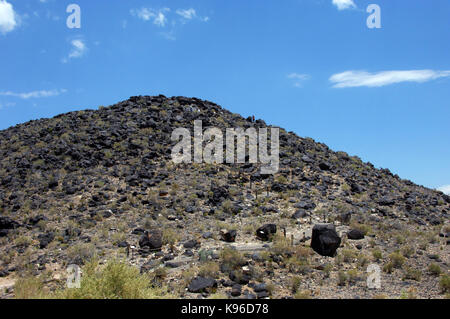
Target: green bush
column 434, row 269
column 445, row 283
column 115, row 280
column 397, row 260
column 377, row 254
column 29, row 287
column 413, row 274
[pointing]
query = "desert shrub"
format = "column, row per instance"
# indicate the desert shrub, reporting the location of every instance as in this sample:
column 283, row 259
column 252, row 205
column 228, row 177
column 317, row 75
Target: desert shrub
column 408, row 251
column 170, row 236
column 348, row 255
column 209, row 269
column 377, row 254
column 29, row 287
column 342, row 278
column 295, row 265
column 295, row 283
column 413, row 274
column 304, row 294
column 353, row 276
column 281, row 245
column 363, row 260
column 397, row 260
column 434, row 269
column 444, row 283
column 231, row 258
column 115, row 280
column 23, row 241
column 388, row 268
column 81, row 252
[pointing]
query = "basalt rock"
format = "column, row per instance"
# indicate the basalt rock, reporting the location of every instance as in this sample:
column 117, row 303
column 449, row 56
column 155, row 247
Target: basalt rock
column 202, row 284
column 265, row 232
column 151, row 240
column 325, row 240
column 355, row 234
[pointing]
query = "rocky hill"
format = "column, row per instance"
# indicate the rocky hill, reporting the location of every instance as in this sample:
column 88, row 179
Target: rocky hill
column 101, row 184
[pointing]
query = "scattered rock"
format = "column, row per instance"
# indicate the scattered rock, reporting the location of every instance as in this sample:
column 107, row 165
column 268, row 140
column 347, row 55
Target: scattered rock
column 201, row 284
column 151, row 239
column 355, row 234
column 325, row 240
column 228, row 235
column 266, row 231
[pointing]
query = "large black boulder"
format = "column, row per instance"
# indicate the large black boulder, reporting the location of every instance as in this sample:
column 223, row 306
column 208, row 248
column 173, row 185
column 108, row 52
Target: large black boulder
column 6, row 224
column 201, row 284
column 325, row 240
column 219, row 194
column 151, row 239
column 266, row 231
column 45, row 239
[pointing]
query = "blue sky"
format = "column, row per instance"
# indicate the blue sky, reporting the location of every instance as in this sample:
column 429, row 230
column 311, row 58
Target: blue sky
column 310, row 66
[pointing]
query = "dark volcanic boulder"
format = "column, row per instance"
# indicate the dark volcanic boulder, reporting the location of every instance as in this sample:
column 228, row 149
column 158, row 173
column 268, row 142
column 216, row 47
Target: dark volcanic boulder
column 45, row 239
column 236, row 290
column 300, row 213
column 7, row 224
column 219, row 194
column 386, row 201
column 324, row 166
column 36, row 219
column 355, row 234
column 325, row 240
column 201, row 284
column 151, row 239
column 191, row 244
column 265, row 232
column 228, row 235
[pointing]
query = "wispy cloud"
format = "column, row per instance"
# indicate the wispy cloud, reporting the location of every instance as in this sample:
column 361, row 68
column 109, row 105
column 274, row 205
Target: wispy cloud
column 34, row 94
column 445, row 189
column 158, row 17
column 188, row 14
column 362, row 78
column 344, row 4
column 167, row 19
column 298, row 78
column 78, row 49
column 8, row 17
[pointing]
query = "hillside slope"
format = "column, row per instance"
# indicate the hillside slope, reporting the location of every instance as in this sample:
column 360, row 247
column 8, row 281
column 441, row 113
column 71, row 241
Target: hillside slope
column 91, row 182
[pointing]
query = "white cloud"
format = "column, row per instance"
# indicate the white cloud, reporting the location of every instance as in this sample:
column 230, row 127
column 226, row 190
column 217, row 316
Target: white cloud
column 363, row 78
column 157, row 16
column 166, row 17
column 34, row 94
column 79, row 49
column 298, row 78
column 187, row 14
column 445, row 189
column 344, row 4
column 8, row 18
